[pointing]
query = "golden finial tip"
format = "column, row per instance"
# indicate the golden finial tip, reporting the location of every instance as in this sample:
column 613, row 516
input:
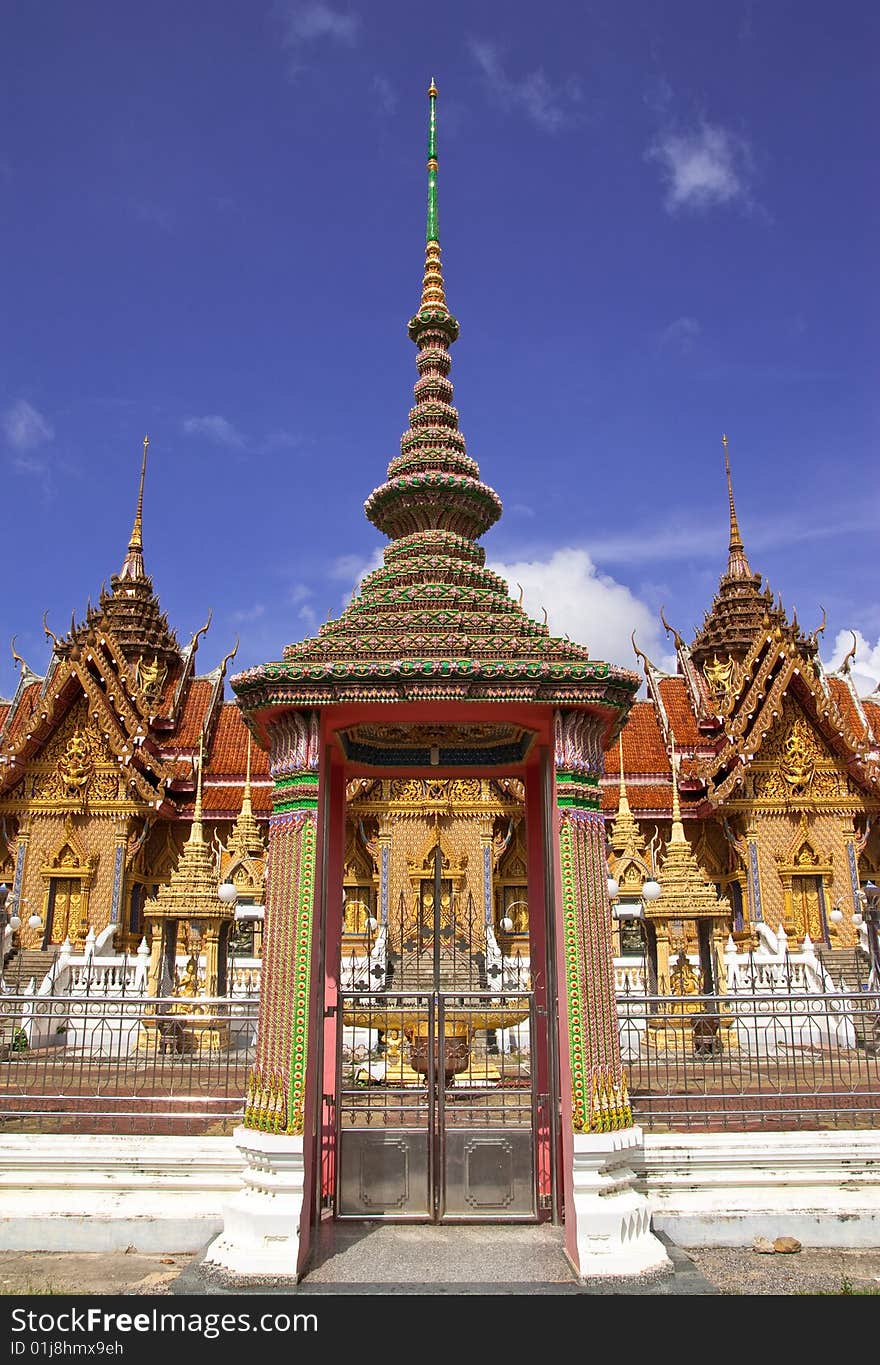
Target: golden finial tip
column 723, row 440
column 432, row 90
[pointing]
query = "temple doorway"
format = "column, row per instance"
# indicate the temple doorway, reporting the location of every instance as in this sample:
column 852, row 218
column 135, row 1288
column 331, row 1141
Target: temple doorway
column 441, row 1046
column 437, row 1095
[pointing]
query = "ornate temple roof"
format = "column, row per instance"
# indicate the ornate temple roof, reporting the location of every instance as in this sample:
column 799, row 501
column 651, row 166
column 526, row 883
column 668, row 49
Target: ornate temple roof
column 740, row 606
column 131, row 610
column 434, row 621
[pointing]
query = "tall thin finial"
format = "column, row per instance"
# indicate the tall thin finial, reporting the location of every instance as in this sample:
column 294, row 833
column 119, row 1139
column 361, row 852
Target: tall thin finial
column 133, row 564
column 433, row 293
column 737, row 564
column 678, row 835
column 246, row 799
column 623, row 803
column 196, row 835
column 432, row 234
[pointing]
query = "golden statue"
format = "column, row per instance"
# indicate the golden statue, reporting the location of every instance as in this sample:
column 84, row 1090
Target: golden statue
column 797, row 766
column 150, row 677
column 76, row 766
column 719, row 674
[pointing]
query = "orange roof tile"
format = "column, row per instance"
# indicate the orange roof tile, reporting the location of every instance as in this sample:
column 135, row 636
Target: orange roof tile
column 224, row 802
column 674, row 693
column 228, row 752
column 192, row 716
column 25, row 709
column 846, row 706
column 653, row 796
column 4, row 712
column 643, row 747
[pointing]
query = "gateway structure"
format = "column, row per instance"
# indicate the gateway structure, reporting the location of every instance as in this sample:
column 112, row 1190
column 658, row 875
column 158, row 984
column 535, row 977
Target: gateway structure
column 433, row 747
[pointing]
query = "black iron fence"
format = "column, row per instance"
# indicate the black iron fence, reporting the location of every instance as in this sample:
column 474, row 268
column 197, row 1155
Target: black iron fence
column 126, row 1062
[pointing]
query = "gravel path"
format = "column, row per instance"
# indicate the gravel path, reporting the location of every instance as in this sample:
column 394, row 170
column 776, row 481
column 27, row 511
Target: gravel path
column 740, row 1270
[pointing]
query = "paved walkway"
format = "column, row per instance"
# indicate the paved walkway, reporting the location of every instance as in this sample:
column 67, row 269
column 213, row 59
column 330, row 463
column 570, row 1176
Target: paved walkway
column 407, row 1260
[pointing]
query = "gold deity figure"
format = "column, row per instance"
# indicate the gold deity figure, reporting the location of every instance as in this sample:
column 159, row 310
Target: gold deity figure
column 797, row 765
column 76, row 765
column 719, row 675
column 150, row 676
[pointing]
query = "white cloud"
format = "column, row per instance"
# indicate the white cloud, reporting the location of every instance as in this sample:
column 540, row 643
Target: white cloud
column 590, row 607
column 681, row 335
column 385, row 94
column 355, row 567
column 25, row 427
column 252, row 613
column 550, row 107
column 308, row 21
column 216, row 429
column 703, row 168
column 865, row 665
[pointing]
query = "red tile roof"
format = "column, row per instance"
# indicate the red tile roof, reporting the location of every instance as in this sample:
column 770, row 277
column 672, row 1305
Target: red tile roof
column 643, row 747
column 224, row 802
column 25, row 709
column 228, row 752
column 192, row 717
column 4, row 712
column 845, row 704
column 651, row 797
column 674, row 694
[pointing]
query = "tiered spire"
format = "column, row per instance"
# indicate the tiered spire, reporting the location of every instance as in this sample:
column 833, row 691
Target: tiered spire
column 131, row 609
column 434, row 611
column 739, row 607
column 246, row 837
column 686, row 892
column 433, row 485
column 625, row 836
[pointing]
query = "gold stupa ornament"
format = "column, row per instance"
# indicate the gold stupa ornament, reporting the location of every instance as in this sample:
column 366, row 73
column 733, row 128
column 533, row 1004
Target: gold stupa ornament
column 687, row 893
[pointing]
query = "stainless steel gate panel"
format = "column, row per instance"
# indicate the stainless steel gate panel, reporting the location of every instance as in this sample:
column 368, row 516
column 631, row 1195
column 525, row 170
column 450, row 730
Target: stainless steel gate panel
column 437, row 1106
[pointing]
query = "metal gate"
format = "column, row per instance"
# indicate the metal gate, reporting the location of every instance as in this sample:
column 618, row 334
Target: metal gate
column 437, row 1106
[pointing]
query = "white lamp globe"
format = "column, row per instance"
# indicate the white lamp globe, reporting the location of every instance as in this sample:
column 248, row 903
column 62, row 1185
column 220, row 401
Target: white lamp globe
column 372, row 923
column 613, row 887
column 15, row 922
column 651, row 889
column 35, row 921
column 227, row 893
column 836, row 914
column 507, row 924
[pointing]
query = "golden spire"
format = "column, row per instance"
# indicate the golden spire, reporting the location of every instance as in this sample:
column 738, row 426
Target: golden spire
column 133, row 564
column 625, row 837
column 737, row 564
column 246, row 837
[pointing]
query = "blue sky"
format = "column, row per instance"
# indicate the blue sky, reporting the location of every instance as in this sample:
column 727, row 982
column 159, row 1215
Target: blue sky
column 659, row 224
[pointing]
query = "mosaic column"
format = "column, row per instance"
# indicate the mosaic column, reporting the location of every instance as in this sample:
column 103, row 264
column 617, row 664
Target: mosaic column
column 276, row 1090
column 599, row 1094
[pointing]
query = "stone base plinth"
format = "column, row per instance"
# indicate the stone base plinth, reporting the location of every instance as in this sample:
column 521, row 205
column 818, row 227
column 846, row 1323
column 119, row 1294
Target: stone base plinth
column 613, row 1221
column 261, row 1223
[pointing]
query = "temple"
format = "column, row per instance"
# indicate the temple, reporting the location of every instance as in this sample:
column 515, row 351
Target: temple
column 431, row 829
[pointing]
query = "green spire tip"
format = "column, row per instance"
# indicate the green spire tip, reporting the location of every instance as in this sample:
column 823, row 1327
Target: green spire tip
column 432, row 234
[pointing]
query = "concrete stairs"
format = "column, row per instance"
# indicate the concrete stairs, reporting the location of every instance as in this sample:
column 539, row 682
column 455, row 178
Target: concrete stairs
column 849, row 969
column 26, row 964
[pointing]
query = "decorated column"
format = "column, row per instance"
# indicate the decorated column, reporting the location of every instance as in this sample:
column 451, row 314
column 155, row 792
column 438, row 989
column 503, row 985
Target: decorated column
column 599, row 1095
column 610, row 1232
column 277, row 1085
column 264, row 1222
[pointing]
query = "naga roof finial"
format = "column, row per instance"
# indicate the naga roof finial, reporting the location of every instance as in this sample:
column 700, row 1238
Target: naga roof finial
column 670, row 630
column 850, row 657
column 133, row 564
